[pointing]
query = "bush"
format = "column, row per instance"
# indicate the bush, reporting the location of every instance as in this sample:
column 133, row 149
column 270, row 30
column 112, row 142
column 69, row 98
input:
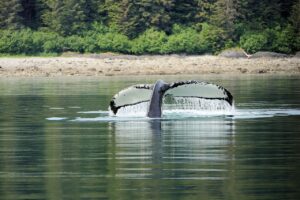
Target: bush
column 75, row 43
column 99, row 28
column 212, row 38
column 296, row 45
column 53, row 43
column 16, row 42
column 275, row 39
column 201, row 38
column 283, row 40
column 253, row 42
column 184, row 40
column 151, row 41
column 113, row 42
column 29, row 42
column 90, row 44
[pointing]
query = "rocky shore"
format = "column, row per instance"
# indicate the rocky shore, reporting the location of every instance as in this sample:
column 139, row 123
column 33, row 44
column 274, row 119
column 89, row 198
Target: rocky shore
column 113, row 65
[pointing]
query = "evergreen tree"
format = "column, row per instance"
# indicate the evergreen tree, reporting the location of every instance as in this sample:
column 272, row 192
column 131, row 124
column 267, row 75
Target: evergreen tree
column 32, row 11
column 205, row 9
column 133, row 17
column 259, row 14
column 66, row 16
column 95, row 10
column 225, row 15
column 295, row 16
column 10, row 14
column 184, row 12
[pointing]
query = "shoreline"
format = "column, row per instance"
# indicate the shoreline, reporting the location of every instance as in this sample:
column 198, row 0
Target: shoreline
column 119, row 65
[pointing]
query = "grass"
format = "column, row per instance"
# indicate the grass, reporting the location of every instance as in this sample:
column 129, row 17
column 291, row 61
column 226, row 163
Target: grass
column 42, row 55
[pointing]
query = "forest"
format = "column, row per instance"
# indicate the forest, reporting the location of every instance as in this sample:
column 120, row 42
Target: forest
column 41, row 27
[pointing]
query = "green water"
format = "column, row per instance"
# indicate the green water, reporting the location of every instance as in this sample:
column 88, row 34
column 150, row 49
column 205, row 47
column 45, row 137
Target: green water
column 58, row 142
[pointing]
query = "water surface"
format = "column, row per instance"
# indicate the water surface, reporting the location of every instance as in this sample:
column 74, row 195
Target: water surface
column 58, row 141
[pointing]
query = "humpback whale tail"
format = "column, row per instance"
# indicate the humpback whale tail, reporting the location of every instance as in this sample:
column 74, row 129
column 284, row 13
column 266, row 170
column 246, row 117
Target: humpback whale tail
column 186, row 93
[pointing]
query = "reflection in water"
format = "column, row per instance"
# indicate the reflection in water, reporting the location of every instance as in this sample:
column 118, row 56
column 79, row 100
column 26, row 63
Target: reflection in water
column 183, row 149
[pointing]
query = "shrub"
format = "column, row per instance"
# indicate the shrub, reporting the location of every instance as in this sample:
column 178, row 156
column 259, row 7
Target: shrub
column 16, row 42
column 151, row 41
column 283, row 40
column 253, row 42
column 113, row 42
column 296, row 44
column 75, row 43
column 53, row 43
column 212, row 38
column 183, row 40
column 99, row 28
column 276, row 39
column 90, row 44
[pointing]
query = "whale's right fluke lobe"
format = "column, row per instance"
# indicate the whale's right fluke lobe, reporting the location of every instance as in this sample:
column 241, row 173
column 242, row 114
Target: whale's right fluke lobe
column 201, row 90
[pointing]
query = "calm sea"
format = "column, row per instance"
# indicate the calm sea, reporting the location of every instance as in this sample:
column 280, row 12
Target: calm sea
column 57, row 141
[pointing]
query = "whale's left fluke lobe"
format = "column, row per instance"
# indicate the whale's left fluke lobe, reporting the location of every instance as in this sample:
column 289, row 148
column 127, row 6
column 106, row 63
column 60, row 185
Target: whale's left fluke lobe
column 130, row 96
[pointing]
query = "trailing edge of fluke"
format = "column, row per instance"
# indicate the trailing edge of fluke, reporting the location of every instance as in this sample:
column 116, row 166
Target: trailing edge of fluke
column 154, row 94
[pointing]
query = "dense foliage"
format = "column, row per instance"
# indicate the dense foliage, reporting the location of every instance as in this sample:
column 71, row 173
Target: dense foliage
column 148, row 26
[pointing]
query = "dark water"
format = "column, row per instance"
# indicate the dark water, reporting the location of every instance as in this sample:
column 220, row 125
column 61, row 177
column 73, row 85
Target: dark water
column 57, row 142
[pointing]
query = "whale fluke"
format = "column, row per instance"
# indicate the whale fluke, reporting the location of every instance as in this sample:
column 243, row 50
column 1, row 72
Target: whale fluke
column 197, row 89
column 134, row 95
column 152, row 95
column 158, row 92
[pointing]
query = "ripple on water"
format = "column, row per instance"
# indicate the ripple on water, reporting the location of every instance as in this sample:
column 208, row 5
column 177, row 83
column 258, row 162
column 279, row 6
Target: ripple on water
column 185, row 114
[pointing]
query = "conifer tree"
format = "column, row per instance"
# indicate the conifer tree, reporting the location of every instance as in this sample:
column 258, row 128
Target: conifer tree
column 133, row 17
column 205, row 9
column 184, row 11
column 295, row 17
column 32, row 11
column 10, row 14
column 225, row 15
column 66, row 16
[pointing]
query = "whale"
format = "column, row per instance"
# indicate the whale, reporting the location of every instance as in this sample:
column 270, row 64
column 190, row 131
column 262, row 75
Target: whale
column 153, row 95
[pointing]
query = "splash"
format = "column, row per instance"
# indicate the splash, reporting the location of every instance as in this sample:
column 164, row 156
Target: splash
column 190, row 105
column 197, row 104
column 56, row 118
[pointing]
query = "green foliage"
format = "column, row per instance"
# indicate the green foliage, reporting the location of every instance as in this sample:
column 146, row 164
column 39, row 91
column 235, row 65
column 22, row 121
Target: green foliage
column 184, row 40
column 16, row 42
column 281, row 39
column 253, row 42
column 135, row 17
column 66, row 17
column 29, row 42
column 148, row 26
column 151, row 42
column 10, row 14
column 212, row 38
column 277, row 39
column 75, row 43
column 113, row 42
column 52, row 43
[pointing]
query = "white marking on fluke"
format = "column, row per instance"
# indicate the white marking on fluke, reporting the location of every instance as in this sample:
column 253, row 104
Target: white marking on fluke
column 151, row 100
